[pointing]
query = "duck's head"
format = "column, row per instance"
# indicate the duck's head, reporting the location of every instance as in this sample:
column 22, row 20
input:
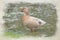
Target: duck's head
column 25, row 10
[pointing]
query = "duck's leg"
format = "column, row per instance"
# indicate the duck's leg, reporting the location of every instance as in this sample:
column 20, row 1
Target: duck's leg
column 33, row 30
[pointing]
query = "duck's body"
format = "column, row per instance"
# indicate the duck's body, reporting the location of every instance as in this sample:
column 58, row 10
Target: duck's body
column 31, row 22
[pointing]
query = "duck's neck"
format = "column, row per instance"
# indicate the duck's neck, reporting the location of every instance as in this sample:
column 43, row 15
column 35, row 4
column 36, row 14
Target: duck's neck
column 26, row 13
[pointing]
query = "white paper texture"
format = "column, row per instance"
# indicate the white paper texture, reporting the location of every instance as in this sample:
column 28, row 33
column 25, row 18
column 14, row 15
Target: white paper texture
column 55, row 37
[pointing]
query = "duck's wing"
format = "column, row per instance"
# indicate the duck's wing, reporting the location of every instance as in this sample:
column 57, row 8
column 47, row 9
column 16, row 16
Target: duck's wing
column 40, row 21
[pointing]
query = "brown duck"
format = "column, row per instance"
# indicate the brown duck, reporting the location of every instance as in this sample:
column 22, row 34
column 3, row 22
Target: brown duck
column 31, row 22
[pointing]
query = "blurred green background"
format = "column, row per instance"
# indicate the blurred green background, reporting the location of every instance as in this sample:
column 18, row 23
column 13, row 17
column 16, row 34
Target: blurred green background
column 44, row 11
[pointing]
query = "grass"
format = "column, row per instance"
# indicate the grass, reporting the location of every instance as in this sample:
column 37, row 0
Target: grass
column 13, row 35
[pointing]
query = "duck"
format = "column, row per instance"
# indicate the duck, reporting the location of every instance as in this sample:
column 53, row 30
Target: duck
column 32, row 23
